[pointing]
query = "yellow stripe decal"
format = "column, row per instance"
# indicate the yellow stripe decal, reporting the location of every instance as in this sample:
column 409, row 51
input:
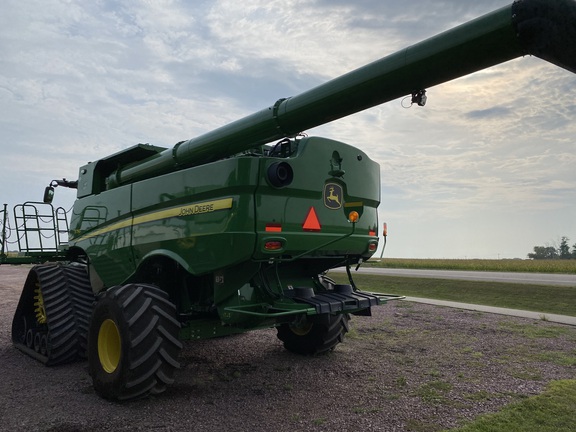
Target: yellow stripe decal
column 188, row 210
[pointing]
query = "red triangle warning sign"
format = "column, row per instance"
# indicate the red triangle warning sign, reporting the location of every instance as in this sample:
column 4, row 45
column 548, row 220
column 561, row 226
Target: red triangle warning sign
column 311, row 223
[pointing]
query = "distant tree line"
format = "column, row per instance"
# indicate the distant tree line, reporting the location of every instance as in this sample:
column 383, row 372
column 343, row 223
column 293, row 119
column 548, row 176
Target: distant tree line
column 551, row 252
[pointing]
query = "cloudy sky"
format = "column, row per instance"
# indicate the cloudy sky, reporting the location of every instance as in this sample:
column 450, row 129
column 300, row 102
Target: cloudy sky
column 485, row 170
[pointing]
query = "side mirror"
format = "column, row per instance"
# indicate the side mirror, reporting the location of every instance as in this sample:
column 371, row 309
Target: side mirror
column 48, row 195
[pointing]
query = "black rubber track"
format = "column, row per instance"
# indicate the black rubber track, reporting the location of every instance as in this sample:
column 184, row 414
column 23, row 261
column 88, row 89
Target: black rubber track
column 146, row 321
column 68, row 301
column 61, row 320
column 83, row 301
column 326, row 331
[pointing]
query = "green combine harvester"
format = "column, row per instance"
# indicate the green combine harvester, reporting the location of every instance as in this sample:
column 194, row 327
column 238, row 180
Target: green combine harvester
column 226, row 232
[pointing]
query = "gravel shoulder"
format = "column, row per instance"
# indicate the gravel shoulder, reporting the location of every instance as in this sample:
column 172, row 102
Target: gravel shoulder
column 409, row 367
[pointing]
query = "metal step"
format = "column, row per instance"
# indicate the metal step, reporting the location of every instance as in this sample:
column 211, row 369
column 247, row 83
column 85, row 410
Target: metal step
column 341, row 299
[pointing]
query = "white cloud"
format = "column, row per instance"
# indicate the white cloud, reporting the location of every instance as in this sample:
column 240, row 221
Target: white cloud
column 81, row 80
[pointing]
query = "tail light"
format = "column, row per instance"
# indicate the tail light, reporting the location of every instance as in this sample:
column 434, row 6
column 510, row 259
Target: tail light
column 273, row 245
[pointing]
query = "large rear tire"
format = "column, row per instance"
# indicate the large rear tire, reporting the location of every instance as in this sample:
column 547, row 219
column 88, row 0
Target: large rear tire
column 317, row 335
column 133, row 342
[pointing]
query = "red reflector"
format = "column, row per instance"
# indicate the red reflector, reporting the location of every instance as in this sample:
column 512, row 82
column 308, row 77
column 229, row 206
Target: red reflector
column 372, row 247
column 311, row 223
column 273, row 228
column 372, row 232
column 273, row 245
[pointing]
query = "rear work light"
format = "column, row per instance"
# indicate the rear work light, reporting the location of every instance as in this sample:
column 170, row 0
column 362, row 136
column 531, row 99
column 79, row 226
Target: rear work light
column 280, row 174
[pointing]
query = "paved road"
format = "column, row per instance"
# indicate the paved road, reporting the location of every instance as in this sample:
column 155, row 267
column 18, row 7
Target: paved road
column 568, row 280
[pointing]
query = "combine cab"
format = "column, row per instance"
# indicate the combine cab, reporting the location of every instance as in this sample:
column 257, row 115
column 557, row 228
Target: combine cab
column 226, row 232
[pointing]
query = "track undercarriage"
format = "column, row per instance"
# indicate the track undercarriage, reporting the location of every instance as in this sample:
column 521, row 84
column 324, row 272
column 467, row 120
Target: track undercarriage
column 52, row 318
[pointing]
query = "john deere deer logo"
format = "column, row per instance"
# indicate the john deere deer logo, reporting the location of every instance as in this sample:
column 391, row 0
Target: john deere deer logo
column 333, row 196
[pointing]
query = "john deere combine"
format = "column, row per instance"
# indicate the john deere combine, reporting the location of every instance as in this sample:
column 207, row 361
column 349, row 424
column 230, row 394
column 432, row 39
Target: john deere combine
column 226, row 232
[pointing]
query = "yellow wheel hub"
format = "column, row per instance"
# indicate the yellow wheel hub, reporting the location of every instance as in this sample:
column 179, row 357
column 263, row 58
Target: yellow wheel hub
column 109, row 346
column 39, row 309
column 302, row 330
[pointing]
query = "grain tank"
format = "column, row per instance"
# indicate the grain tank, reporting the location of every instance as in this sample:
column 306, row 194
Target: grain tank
column 227, row 232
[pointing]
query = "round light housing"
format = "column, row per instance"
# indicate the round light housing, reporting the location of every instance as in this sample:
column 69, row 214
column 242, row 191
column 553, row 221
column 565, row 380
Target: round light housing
column 280, row 174
column 353, row 216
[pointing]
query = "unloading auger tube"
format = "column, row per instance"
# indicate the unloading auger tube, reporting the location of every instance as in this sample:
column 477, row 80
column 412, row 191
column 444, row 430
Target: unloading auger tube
column 543, row 28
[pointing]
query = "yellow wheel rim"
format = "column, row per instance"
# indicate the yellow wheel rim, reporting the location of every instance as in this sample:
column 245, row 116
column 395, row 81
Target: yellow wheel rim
column 109, row 346
column 302, row 330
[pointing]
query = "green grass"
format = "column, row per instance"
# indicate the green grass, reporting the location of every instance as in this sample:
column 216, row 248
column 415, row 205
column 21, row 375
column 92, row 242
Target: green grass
column 530, row 331
column 537, row 298
column 531, row 266
column 434, row 392
column 552, row 411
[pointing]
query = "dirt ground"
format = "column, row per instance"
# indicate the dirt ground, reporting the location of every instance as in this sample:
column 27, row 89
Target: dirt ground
column 409, row 367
